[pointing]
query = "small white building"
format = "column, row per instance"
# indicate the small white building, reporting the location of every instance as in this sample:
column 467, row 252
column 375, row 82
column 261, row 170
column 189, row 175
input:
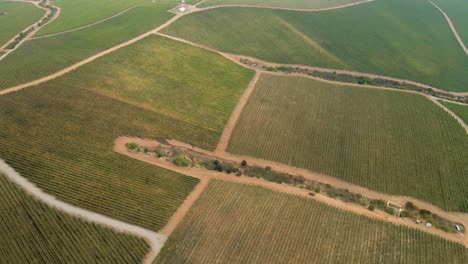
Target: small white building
column 182, row 9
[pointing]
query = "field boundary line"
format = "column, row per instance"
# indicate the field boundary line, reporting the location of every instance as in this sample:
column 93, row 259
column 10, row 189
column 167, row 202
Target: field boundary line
column 227, row 132
column 286, row 8
column 450, row 112
column 90, row 25
column 119, row 147
column 155, row 240
column 452, row 27
column 36, row 28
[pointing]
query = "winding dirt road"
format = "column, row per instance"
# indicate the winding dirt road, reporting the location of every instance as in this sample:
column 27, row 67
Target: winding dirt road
column 452, row 27
column 206, row 175
column 155, row 240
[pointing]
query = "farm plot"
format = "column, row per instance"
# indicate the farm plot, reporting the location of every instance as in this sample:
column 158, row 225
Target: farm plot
column 397, row 38
column 257, row 225
column 34, row 232
column 389, row 141
column 60, row 137
column 15, row 17
column 456, row 10
column 282, row 3
column 41, row 57
column 169, row 77
column 459, row 110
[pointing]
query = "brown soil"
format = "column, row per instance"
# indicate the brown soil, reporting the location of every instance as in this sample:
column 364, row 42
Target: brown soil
column 224, row 140
column 119, row 146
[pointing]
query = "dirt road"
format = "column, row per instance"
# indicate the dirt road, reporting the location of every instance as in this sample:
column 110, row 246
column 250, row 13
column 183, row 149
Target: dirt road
column 119, row 147
column 155, row 240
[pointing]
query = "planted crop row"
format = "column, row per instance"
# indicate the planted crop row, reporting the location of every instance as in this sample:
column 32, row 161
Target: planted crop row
column 257, row 225
column 458, row 109
column 34, row 232
column 281, row 3
column 15, row 17
column 61, row 137
column 40, row 57
column 389, row 141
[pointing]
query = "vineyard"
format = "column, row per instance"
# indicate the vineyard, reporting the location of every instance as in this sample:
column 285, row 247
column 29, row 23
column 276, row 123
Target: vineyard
column 456, row 10
column 60, row 137
column 15, row 17
column 32, row 232
column 459, row 110
column 395, row 44
column 168, row 77
column 282, row 3
column 40, row 57
column 257, row 225
column 389, row 141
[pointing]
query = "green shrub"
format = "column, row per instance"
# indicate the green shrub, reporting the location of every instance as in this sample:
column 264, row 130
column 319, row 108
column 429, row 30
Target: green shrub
column 181, row 161
column 159, row 151
column 132, row 145
column 390, row 210
column 317, row 189
column 371, row 207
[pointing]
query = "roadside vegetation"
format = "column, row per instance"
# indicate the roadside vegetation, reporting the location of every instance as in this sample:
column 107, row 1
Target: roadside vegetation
column 41, row 57
column 16, row 17
column 396, row 38
column 389, row 141
column 34, row 232
column 257, row 225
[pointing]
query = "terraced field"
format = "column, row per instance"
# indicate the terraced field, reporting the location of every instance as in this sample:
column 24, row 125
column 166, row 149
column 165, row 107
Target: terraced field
column 459, row 110
column 387, row 37
column 34, row 232
column 41, row 57
column 171, row 78
column 256, row 225
column 389, row 141
column 282, row 3
column 15, row 17
column 456, row 10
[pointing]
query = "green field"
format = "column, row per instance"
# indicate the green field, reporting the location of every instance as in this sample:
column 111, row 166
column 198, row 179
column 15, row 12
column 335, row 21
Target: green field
column 60, row 134
column 398, row 38
column 75, row 14
column 389, row 141
column 41, row 57
column 456, row 10
column 282, row 3
column 32, row 232
column 171, row 78
column 237, row 223
column 459, row 110
column 17, row 18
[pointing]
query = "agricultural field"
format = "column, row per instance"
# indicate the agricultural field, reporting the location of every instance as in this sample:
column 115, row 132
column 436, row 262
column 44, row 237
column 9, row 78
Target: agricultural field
column 60, row 137
column 389, row 141
column 16, row 17
column 257, row 225
column 387, row 37
column 456, row 10
column 40, row 57
column 458, row 109
column 171, row 78
column 32, row 232
column 282, row 3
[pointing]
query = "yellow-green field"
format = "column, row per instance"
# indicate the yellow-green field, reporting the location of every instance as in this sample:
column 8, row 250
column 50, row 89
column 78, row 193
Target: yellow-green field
column 389, row 141
column 282, row 3
column 15, row 17
column 237, row 223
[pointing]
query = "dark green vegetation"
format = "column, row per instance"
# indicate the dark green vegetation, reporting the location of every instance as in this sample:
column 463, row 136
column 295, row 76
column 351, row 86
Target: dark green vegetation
column 256, row 225
column 388, row 141
column 171, row 78
column 40, row 57
column 397, row 38
column 282, row 3
column 16, row 17
column 457, row 11
column 458, row 109
column 32, row 232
